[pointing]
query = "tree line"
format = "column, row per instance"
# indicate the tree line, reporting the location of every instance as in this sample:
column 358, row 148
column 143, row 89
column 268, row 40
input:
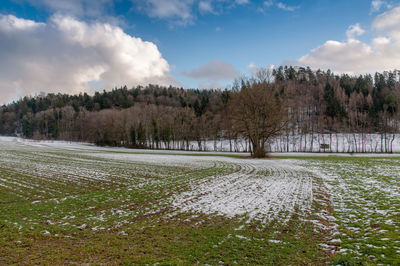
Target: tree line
column 284, row 103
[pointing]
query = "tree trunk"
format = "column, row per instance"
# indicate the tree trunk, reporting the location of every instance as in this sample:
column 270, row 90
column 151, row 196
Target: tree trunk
column 258, row 150
column 391, row 143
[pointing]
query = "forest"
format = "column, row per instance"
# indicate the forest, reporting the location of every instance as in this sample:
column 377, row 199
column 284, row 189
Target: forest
column 302, row 104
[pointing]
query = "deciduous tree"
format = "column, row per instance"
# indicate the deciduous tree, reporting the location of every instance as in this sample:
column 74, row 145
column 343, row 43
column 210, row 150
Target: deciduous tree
column 258, row 112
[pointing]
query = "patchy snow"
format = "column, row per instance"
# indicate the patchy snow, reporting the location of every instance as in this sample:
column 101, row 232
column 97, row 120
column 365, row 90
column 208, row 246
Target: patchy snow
column 274, row 241
column 366, row 198
column 365, row 194
column 252, row 189
column 259, row 189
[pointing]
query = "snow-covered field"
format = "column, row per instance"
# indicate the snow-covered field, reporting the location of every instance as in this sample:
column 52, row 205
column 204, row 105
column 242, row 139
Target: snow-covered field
column 255, row 190
column 355, row 200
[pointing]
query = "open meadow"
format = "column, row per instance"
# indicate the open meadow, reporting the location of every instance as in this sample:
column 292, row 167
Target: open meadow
column 77, row 203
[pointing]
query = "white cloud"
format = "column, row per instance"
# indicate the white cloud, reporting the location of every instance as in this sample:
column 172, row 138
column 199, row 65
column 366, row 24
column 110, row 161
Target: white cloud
column 356, row 57
column 280, row 5
column 75, row 7
column 179, row 11
column 380, row 42
column 67, row 55
column 12, row 23
column 285, row 7
column 354, row 30
column 388, row 23
column 214, row 70
column 268, row 3
column 378, row 5
column 206, row 7
column 184, row 12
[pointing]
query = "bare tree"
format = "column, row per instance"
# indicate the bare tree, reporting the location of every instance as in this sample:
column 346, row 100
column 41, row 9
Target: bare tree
column 257, row 109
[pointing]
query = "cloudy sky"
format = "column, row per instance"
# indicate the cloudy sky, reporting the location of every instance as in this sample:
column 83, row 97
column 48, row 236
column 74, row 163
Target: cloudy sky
column 84, row 45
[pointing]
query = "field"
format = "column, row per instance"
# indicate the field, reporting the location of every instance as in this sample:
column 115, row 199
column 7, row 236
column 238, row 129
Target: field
column 77, row 203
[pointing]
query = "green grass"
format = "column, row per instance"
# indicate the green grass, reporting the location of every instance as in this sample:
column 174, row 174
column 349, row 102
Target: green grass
column 62, row 206
column 154, row 240
column 366, row 196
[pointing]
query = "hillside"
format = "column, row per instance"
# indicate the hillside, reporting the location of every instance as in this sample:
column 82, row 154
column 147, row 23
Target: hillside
column 316, row 103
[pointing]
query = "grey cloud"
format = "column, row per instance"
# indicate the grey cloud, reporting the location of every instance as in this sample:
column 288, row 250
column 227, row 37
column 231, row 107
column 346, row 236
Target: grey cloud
column 214, row 71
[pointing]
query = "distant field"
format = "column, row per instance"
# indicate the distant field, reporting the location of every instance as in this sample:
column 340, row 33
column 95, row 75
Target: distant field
column 76, row 203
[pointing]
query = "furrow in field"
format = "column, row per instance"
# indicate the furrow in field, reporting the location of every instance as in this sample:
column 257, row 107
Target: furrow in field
column 254, row 190
column 254, row 196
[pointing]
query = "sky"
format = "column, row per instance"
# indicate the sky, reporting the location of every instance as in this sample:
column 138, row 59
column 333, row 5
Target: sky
column 74, row 46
